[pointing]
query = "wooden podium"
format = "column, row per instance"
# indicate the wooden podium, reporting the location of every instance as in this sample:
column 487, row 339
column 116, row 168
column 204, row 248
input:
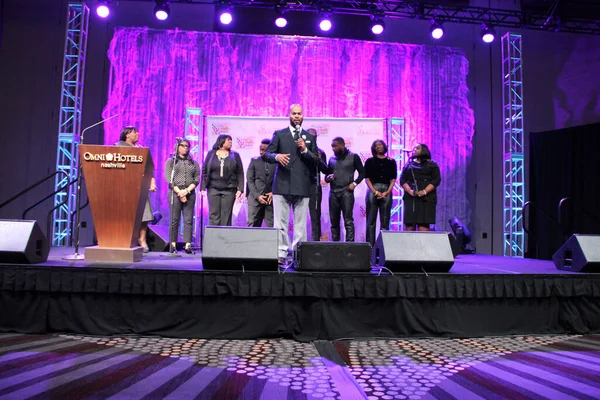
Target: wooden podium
column 117, row 179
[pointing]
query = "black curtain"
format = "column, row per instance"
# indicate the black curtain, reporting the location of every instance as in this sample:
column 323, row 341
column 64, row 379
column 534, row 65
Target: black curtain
column 564, row 163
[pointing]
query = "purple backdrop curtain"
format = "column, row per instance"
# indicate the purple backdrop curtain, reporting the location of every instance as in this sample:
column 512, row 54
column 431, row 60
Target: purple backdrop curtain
column 157, row 74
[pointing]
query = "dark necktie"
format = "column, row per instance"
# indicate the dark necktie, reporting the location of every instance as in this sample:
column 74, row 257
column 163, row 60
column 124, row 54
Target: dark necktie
column 296, row 134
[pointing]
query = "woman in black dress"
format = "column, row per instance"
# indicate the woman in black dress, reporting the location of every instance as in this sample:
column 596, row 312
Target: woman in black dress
column 223, row 177
column 420, row 179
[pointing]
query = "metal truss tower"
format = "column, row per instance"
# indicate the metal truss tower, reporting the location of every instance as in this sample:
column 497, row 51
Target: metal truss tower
column 193, row 133
column 70, row 119
column 396, row 151
column 513, row 154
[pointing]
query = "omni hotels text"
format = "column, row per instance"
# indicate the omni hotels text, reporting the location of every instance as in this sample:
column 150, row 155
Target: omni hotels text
column 113, row 160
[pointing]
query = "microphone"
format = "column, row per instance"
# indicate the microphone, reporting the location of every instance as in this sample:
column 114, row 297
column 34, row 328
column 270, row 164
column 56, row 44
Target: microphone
column 91, row 126
column 406, row 151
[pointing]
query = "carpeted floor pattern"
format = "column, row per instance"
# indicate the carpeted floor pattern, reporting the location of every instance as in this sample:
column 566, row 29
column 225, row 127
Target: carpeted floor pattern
column 68, row 367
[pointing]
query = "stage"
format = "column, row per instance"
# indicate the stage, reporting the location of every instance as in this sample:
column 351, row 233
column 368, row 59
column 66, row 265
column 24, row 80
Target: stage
column 480, row 296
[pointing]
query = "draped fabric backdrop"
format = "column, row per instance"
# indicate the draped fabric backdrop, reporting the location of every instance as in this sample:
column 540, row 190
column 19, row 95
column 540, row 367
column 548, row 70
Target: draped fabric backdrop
column 156, row 75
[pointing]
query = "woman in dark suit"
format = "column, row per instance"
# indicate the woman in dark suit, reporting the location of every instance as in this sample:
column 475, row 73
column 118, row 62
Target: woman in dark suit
column 420, row 179
column 223, row 177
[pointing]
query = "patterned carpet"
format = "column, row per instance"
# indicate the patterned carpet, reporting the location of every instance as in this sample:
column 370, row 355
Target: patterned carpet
column 78, row 367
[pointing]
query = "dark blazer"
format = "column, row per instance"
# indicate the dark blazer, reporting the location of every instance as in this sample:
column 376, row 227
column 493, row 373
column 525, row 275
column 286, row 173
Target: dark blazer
column 299, row 177
column 259, row 179
column 235, row 180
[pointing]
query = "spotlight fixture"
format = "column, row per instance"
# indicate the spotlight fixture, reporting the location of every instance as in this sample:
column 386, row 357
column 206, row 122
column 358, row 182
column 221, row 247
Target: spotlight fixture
column 280, row 9
column 325, row 24
column 378, row 25
column 103, row 8
column 487, row 33
column 436, row 30
column 162, row 10
column 281, row 22
column 225, row 17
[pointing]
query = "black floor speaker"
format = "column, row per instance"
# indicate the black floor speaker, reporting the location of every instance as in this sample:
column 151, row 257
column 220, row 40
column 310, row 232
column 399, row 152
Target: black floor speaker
column 239, row 248
column 413, row 251
column 158, row 237
column 334, row 257
column 22, row 242
column 580, row 253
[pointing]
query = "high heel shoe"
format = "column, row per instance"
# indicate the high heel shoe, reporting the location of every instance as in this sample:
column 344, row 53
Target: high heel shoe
column 188, row 249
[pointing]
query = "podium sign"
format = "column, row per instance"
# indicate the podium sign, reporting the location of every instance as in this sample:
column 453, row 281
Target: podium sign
column 117, row 179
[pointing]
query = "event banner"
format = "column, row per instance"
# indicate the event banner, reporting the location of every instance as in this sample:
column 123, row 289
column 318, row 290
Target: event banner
column 247, row 133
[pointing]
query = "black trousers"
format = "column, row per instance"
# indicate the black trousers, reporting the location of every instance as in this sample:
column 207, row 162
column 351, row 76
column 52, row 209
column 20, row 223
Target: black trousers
column 341, row 201
column 187, row 209
column 259, row 212
column 220, row 206
column 314, row 209
column 374, row 205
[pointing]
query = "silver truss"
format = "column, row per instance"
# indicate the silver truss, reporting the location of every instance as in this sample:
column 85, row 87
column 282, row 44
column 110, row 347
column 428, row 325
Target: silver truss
column 579, row 17
column 513, row 154
column 69, row 127
column 395, row 151
column 193, row 133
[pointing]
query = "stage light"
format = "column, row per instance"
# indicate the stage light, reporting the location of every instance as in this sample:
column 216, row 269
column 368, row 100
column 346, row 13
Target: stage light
column 281, row 22
column 378, row 25
column 162, row 10
column 325, row 24
column 487, row 33
column 280, row 9
column 462, row 235
column 436, row 30
column 103, row 9
column 225, row 17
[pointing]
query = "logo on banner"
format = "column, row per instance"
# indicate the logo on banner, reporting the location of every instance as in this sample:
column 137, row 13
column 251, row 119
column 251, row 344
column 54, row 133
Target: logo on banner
column 245, row 142
column 367, row 132
column 364, row 156
column 322, row 130
column 220, row 129
column 348, row 142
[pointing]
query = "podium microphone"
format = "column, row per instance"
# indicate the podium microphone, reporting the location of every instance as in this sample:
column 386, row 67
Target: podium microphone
column 76, row 256
column 96, row 124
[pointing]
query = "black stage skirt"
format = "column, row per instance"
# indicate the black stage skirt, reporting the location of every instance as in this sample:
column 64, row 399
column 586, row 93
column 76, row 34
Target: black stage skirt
column 423, row 211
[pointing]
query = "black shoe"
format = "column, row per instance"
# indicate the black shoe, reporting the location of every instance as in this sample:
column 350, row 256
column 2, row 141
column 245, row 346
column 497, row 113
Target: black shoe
column 173, row 251
column 188, row 250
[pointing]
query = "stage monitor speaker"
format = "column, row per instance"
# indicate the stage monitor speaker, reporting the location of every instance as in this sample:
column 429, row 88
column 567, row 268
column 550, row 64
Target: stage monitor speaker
column 239, row 248
column 334, row 257
column 580, row 253
column 158, row 237
column 22, row 242
column 413, row 251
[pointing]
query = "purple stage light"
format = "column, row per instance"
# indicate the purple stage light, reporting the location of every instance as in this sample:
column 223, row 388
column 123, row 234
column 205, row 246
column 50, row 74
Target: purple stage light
column 162, row 11
column 437, row 33
column 281, row 22
column 436, row 30
column 161, row 15
column 102, row 10
column 377, row 28
column 325, row 24
column 487, row 33
column 226, row 18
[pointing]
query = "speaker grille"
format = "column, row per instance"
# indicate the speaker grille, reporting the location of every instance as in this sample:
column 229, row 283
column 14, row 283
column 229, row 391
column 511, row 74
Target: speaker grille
column 334, row 257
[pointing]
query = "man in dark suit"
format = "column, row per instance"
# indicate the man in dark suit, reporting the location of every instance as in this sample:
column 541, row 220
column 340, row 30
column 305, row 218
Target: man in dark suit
column 295, row 152
column 314, row 204
column 259, row 187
